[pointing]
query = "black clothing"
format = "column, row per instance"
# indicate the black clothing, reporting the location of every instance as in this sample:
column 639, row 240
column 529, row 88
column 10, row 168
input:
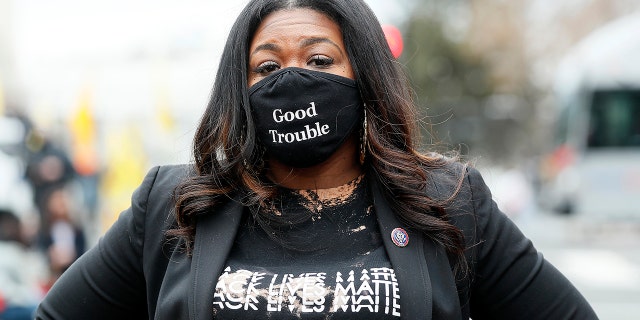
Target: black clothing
column 134, row 272
column 335, row 267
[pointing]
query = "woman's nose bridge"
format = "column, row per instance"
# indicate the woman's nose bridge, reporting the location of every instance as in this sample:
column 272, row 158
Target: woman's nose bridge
column 294, row 62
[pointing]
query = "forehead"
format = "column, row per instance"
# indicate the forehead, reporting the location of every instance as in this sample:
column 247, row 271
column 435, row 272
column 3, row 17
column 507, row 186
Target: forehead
column 295, row 23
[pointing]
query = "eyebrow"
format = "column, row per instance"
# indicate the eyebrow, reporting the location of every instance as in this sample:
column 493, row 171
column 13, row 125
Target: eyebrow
column 266, row 46
column 312, row 41
column 305, row 43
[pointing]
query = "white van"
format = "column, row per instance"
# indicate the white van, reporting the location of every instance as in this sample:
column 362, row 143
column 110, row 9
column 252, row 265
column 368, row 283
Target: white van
column 595, row 168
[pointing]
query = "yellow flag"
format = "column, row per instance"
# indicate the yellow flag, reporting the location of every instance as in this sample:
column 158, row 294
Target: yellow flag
column 82, row 123
column 83, row 132
column 125, row 169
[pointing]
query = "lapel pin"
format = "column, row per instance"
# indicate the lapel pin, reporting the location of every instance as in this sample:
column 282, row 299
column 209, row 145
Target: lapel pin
column 400, row 237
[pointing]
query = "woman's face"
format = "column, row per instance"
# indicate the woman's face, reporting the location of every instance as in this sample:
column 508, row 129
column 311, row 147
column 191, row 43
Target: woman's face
column 301, row 38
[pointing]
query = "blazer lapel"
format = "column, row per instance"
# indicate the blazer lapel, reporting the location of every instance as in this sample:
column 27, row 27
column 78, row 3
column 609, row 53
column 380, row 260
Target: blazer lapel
column 447, row 303
column 215, row 234
column 409, row 262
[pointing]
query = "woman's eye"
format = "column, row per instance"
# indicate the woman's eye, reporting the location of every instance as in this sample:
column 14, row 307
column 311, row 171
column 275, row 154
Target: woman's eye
column 320, row 61
column 266, row 67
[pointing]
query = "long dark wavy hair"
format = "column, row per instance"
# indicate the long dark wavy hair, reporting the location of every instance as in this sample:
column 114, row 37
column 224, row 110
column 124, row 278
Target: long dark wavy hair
column 228, row 158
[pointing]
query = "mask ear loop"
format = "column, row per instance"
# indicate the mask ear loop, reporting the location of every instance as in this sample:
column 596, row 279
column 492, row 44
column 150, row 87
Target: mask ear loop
column 363, row 139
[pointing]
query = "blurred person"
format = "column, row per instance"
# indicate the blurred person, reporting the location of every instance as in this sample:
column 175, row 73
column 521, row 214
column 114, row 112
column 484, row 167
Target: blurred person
column 48, row 168
column 20, row 271
column 308, row 198
column 62, row 238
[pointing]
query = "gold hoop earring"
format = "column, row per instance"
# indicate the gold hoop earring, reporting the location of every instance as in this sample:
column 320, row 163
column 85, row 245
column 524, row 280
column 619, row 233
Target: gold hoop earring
column 245, row 164
column 363, row 138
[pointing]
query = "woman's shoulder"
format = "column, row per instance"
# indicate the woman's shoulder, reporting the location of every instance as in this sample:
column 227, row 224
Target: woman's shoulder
column 156, row 192
column 163, row 178
column 459, row 186
column 447, row 176
column 167, row 177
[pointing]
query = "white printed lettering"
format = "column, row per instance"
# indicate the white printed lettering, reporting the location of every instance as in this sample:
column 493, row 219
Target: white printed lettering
column 279, row 116
column 374, row 290
column 306, row 134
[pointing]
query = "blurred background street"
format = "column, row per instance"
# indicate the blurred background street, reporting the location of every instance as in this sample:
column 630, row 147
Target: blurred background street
column 601, row 259
column 542, row 96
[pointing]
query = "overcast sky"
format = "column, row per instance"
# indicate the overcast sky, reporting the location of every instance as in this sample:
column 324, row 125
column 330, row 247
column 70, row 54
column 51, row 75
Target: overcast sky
column 117, row 47
column 77, row 27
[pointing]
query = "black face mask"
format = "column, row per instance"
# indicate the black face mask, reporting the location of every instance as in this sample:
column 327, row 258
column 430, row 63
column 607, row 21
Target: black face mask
column 302, row 116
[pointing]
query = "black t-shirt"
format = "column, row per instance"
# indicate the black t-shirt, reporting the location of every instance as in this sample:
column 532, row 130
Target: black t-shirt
column 329, row 262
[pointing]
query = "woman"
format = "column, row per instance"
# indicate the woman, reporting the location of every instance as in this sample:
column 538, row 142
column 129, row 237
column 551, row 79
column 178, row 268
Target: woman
column 308, row 199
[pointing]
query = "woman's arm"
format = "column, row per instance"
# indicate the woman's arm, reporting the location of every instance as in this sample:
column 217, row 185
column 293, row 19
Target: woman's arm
column 107, row 282
column 511, row 279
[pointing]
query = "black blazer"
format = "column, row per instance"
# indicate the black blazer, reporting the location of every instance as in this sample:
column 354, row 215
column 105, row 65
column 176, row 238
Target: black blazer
column 134, row 272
